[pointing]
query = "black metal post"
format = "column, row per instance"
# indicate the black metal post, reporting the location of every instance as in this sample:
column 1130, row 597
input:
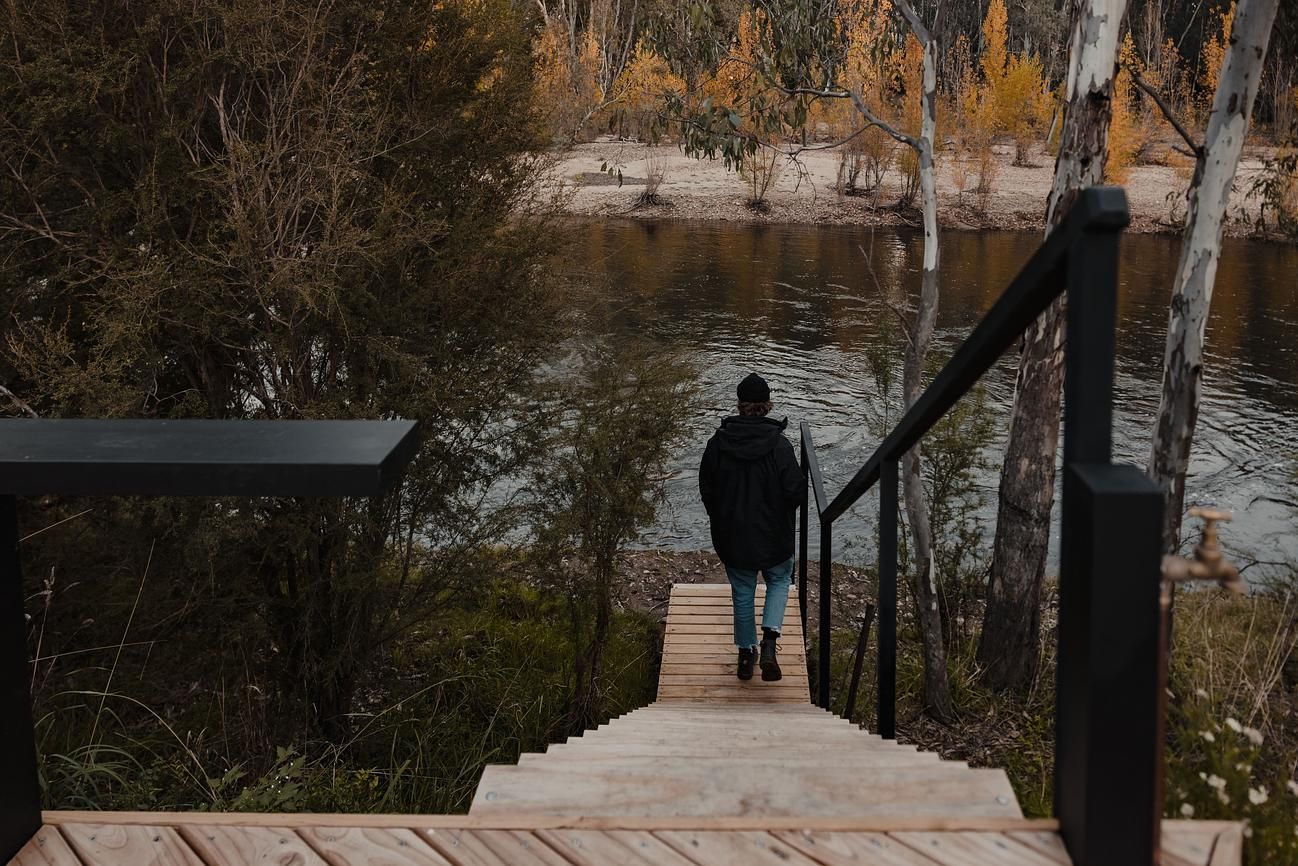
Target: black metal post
column 886, row 676
column 1107, row 672
column 20, row 793
column 1092, row 279
column 1107, row 703
column 861, row 641
column 826, row 564
column 803, row 521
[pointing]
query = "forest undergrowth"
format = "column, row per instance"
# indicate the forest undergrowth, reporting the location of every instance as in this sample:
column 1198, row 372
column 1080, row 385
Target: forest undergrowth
column 486, row 679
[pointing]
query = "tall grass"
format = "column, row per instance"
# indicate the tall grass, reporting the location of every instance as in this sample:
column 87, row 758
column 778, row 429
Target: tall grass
column 1232, row 738
column 481, row 683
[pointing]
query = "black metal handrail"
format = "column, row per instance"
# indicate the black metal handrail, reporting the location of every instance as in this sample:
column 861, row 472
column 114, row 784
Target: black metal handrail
column 1106, row 707
column 120, row 457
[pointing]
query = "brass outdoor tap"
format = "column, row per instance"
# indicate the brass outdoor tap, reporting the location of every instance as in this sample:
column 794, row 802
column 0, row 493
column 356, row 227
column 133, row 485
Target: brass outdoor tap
column 1208, row 562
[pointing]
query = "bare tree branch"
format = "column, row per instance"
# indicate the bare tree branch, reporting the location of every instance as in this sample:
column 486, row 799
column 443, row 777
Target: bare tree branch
column 912, row 19
column 874, row 119
column 18, row 403
column 858, row 102
column 1195, row 148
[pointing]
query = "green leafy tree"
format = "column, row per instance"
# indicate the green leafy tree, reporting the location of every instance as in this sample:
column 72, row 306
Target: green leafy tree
column 280, row 209
column 602, row 485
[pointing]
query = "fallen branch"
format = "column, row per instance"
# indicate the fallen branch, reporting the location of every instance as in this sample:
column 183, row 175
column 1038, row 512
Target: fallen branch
column 18, row 403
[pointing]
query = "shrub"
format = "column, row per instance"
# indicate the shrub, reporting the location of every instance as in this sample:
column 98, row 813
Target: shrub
column 1277, row 186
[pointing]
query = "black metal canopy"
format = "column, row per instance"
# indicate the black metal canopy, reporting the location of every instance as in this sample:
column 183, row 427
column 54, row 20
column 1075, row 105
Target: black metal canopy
column 202, row 458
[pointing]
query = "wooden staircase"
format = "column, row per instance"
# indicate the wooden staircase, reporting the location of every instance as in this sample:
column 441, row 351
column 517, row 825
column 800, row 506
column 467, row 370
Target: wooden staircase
column 714, row 746
column 714, row 773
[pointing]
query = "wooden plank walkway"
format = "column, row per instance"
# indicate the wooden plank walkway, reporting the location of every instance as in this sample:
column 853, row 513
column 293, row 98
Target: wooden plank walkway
column 715, row 746
column 699, row 653
column 207, row 839
column 716, row 772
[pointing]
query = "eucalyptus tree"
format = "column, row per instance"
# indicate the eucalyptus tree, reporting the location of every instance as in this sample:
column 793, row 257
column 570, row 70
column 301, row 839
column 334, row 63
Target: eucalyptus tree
column 600, row 484
column 801, row 59
column 1216, row 160
column 1009, row 648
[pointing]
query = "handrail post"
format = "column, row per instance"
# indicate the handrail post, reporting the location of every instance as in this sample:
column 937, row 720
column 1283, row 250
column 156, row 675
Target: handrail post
column 826, row 576
column 20, row 793
column 1107, row 671
column 849, row 706
column 803, row 522
column 886, row 677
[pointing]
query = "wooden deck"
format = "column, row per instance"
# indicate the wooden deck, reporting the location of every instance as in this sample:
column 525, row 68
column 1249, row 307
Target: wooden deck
column 201, row 839
column 716, row 772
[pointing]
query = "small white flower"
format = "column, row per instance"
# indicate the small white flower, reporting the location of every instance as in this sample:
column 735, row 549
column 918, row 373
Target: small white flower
column 1223, row 797
column 1208, row 735
column 1293, row 789
column 1215, row 781
column 1187, row 810
column 1254, row 736
column 1234, row 726
column 1246, row 769
column 1257, row 796
column 1201, row 693
column 1203, row 775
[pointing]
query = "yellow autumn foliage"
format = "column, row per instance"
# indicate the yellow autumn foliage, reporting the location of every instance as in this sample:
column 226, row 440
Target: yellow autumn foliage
column 870, row 70
column 735, row 83
column 1124, row 127
column 975, row 127
column 640, row 90
column 566, row 80
column 738, row 86
column 1210, row 59
column 911, row 115
column 1015, row 99
column 995, row 56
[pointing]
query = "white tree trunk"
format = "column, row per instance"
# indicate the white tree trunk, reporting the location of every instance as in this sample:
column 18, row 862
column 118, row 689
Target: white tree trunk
column 937, row 690
column 1232, row 107
column 1010, row 644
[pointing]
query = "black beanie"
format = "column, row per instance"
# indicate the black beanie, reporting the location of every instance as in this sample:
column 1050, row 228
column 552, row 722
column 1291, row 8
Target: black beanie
column 753, row 389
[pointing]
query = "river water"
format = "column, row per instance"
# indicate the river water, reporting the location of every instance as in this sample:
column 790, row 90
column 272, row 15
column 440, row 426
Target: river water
column 813, row 310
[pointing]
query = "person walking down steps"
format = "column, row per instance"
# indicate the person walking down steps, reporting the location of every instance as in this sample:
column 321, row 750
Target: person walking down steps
column 752, row 486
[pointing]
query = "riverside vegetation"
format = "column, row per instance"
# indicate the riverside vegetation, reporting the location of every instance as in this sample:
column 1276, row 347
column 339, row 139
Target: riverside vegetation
column 248, row 209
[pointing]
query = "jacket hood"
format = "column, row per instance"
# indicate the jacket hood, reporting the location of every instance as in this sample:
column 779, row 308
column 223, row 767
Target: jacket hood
column 750, row 437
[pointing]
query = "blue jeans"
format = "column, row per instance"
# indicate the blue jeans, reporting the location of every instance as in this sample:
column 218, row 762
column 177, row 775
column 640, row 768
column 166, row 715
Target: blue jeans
column 743, row 592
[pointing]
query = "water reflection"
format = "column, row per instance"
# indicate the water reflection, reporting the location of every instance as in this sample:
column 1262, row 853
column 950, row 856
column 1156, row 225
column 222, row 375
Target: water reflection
column 811, row 307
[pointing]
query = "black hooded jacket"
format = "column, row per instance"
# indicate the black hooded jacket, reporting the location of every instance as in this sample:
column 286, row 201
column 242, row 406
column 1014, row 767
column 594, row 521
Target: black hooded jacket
column 751, row 486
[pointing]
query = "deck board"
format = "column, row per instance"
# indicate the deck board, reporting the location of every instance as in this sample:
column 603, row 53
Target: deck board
column 494, row 848
column 613, row 848
column 371, row 846
column 744, row 848
column 677, row 842
column 138, row 843
column 974, row 849
column 853, row 849
column 47, row 848
column 235, row 845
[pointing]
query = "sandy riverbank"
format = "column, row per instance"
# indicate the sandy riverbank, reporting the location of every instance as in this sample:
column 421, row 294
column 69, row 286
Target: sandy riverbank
column 702, row 189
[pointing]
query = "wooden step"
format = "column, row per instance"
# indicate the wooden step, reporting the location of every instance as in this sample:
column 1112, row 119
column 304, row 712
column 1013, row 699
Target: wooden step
column 745, row 747
column 862, row 761
column 662, row 789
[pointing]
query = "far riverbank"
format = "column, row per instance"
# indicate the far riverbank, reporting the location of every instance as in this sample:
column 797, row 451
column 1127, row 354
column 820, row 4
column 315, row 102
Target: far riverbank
column 805, row 191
